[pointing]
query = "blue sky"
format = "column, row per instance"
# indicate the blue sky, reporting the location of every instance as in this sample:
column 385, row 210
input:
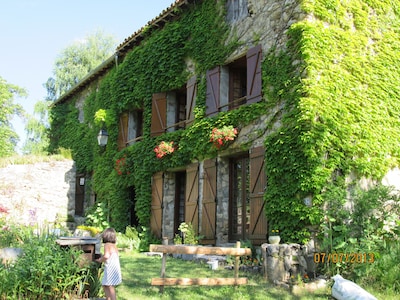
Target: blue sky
column 34, row 32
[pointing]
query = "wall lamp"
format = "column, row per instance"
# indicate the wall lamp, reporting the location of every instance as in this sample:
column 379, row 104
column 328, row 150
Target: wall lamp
column 102, row 137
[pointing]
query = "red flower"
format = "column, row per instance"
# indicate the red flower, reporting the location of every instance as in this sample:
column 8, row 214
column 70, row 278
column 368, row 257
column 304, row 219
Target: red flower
column 219, row 136
column 120, row 166
column 164, row 148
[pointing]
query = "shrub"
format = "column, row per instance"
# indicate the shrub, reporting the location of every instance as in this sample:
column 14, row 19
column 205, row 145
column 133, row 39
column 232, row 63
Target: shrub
column 188, row 234
column 370, row 228
column 47, row 271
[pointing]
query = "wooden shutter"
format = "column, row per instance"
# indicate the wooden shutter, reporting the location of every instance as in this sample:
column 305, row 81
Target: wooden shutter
column 254, row 75
column 258, row 220
column 191, row 92
column 156, row 204
column 192, row 196
column 213, row 86
column 158, row 114
column 208, row 214
column 123, row 131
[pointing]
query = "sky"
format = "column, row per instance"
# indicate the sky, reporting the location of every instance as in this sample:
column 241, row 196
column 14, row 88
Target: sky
column 34, row 32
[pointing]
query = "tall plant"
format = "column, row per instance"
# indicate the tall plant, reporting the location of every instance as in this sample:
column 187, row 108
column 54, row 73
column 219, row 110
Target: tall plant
column 45, row 271
column 369, row 229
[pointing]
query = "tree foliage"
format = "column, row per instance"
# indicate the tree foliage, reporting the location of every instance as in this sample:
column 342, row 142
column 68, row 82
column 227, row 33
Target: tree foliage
column 77, row 60
column 72, row 64
column 36, row 129
column 9, row 109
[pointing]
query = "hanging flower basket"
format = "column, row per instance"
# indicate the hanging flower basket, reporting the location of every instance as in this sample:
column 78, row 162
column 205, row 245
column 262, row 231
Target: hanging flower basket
column 164, row 148
column 221, row 136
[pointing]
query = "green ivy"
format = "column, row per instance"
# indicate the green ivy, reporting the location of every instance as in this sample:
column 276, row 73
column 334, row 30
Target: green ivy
column 332, row 98
column 338, row 86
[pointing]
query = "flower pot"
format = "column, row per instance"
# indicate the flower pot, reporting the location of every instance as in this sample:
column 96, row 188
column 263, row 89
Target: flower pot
column 274, row 239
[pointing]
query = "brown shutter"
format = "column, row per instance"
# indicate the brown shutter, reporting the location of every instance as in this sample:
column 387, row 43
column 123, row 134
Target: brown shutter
column 158, row 114
column 156, row 204
column 208, row 213
column 213, row 86
column 123, row 131
column 192, row 196
column 258, row 220
column 191, row 92
column 254, row 74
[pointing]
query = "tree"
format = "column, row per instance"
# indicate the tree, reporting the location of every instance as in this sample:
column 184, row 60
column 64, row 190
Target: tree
column 9, row 109
column 78, row 60
column 36, row 129
column 71, row 65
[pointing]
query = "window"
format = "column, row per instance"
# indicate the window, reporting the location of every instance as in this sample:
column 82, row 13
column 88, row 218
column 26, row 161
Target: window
column 247, row 219
column 180, row 188
column 173, row 110
column 130, row 128
column 235, row 84
column 176, row 110
column 239, row 199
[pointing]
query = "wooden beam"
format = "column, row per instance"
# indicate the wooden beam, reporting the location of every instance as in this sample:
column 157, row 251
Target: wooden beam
column 198, row 281
column 237, row 261
column 163, row 264
column 180, row 249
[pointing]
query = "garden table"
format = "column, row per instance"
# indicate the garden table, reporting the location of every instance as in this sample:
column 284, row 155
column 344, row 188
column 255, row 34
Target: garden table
column 86, row 244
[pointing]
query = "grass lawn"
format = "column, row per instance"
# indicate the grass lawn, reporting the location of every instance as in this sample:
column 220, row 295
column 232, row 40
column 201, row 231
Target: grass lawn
column 138, row 270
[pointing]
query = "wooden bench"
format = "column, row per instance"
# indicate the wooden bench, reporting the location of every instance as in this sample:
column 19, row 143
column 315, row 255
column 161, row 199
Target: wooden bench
column 181, row 249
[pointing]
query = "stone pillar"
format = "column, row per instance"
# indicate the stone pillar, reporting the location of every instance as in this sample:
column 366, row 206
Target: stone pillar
column 274, row 269
column 222, row 226
column 282, row 261
column 168, row 205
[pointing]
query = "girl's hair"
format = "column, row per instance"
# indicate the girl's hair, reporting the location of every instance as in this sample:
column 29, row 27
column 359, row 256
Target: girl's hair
column 109, row 235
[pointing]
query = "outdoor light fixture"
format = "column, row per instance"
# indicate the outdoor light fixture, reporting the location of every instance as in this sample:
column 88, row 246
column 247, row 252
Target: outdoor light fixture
column 102, row 137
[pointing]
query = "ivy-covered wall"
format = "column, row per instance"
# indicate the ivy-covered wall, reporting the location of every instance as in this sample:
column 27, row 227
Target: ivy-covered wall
column 339, row 83
column 336, row 86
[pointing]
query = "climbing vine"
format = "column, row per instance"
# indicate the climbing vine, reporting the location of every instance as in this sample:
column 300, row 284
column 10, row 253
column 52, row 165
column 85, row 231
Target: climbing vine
column 339, row 83
column 333, row 95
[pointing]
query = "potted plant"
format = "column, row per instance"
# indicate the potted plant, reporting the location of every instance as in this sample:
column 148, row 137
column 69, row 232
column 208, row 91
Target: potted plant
column 274, row 237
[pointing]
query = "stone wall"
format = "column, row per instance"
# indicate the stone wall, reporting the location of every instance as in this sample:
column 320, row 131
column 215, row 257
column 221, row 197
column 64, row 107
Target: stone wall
column 268, row 21
column 35, row 194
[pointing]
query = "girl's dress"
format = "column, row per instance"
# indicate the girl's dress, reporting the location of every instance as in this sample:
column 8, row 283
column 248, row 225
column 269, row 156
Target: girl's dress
column 112, row 270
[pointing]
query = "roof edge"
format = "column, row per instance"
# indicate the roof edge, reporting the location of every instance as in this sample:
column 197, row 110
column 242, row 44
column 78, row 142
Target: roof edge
column 124, row 48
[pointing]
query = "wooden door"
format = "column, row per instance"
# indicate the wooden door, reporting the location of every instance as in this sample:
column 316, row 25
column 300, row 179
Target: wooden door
column 79, row 194
column 258, row 220
column 208, row 214
column 156, row 204
column 192, row 196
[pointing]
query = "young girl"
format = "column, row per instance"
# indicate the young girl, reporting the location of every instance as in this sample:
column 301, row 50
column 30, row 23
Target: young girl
column 112, row 270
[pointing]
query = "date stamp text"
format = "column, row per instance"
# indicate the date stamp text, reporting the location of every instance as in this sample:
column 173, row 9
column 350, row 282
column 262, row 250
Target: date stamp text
column 339, row 257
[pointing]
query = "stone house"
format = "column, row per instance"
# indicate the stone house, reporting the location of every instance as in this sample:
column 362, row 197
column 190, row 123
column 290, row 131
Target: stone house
column 223, row 193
